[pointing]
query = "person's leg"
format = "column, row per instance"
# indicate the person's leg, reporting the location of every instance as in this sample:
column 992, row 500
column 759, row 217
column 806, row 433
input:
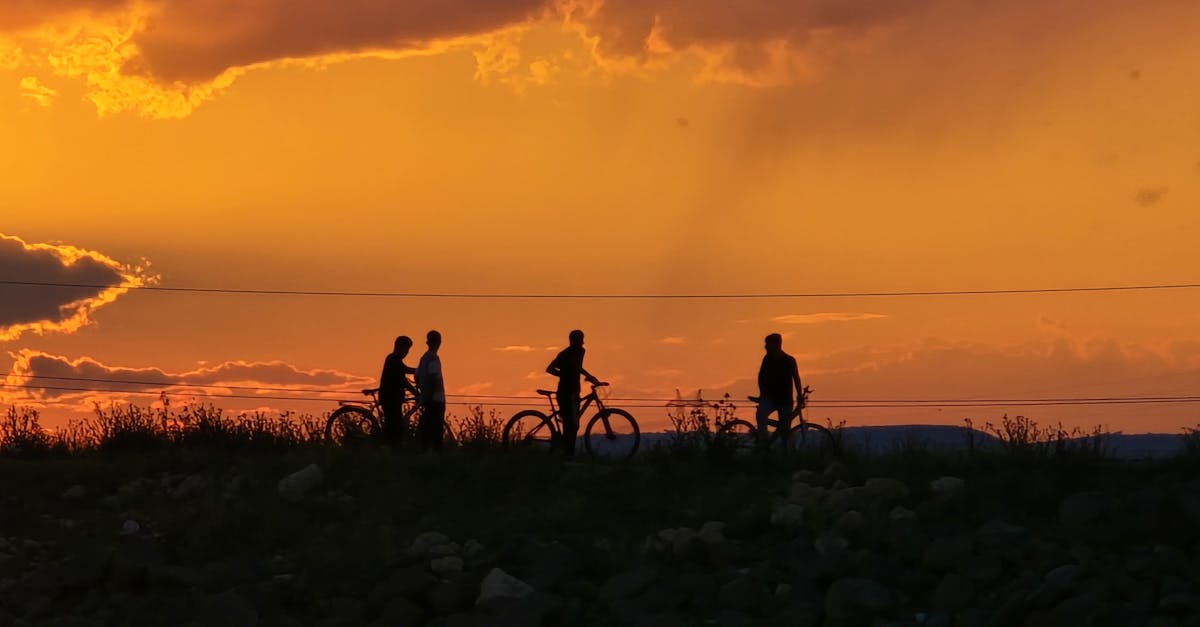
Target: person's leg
column 392, row 419
column 785, row 425
column 437, row 428
column 568, row 410
column 761, row 415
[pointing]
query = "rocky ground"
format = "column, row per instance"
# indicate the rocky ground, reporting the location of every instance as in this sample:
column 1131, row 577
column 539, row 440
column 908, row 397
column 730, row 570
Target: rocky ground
column 244, row 543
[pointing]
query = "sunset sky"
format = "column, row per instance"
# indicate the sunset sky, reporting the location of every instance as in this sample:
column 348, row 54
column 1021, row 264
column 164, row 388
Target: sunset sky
column 605, row 147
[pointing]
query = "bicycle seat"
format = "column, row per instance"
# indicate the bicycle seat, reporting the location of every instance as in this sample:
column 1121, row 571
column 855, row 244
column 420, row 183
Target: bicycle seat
column 369, row 391
column 755, row 399
column 545, row 392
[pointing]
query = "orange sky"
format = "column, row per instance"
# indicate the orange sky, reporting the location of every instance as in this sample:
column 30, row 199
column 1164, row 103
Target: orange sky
column 630, row 146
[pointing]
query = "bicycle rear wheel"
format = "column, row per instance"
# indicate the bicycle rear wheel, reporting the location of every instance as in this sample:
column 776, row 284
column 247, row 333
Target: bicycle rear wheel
column 350, row 424
column 736, row 435
column 529, row 428
column 612, row 433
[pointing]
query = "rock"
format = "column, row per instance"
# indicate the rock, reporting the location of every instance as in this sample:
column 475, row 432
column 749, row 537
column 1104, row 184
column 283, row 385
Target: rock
column 743, row 594
column 453, row 595
column 712, row 532
column 850, row 522
column 856, row 600
column 472, row 548
column 501, row 585
column 228, row 609
column 295, row 486
column 806, row 476
column 805, row 494
column 885, row 489
column 74, row 493
column 947, row 486
column 448, row 565
column 130, row 527
column 788, row 515
column 400, row 612
column 954, row 592
column 424, row 542
column 1082, row 508
column 948, row 553
column 348, row 611
column 193, row 485
column 900, row 512
column 628, row 583
column 442, row 550
column 830, row 544
column 1064, row 575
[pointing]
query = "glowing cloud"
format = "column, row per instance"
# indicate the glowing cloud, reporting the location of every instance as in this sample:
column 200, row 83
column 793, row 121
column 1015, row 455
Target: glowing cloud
column 84, row 281
column 520, row 348
column 820, row 318
column 49, row 377
column 32, row 88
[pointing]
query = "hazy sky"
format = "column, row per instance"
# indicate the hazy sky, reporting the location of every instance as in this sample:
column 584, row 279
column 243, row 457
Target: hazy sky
column 619, row 147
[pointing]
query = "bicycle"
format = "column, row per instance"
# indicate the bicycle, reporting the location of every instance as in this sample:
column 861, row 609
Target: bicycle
column 612, row 432
column 360, row 420
column 743, row 434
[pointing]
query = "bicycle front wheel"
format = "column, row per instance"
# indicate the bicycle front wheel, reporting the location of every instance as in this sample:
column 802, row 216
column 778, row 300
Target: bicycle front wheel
column 612, row 433
column 809, row 437
column 350, row 424
column 529, row 428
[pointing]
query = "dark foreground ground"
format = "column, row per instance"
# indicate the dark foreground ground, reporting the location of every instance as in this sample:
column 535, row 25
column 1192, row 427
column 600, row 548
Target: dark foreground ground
column 194, row 537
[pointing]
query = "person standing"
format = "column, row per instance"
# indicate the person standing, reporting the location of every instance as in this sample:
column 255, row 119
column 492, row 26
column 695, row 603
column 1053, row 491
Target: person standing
column 393, row 387
column 432, row 422
column 777, row 376
column 568, row 367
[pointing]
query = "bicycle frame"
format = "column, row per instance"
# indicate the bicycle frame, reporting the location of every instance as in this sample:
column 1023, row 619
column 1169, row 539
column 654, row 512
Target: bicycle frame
column 584, row 403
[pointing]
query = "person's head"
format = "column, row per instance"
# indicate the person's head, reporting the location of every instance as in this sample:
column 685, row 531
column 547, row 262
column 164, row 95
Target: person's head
column 402, row 345
column 433, row 339
column 575, row 338
column 773, row 343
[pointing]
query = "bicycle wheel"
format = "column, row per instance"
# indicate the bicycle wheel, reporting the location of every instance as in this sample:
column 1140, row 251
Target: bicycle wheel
column 808, row 437
column 736, row 435
column 612, row 433
column 529, row 428
column 350, row 424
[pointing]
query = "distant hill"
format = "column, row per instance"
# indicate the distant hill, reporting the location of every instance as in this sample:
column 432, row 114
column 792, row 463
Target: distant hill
column 948, row 437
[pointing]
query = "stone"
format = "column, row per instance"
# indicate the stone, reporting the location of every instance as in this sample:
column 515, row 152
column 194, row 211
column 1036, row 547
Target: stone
column 856, row 600
column 400, row 611
column 74, row 493
column 954, row 592
column 712, row 532
column 628, row 583
column 297, row 485
column 228, row 609
column 788, row 515
column 447, row 565
column 947, row 486
column 850, row 522
column 498, row 584
column 949, row 552
column 1082, row 508
column 885, row 489
column 472, row 548
column 424, row 542
column 189, row 487
column 130, row 527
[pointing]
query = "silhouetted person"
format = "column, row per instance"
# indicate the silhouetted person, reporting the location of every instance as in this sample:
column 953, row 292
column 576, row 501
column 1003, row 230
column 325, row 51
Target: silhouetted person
column 393, row 387
column 432, row 422
column 568, row 367
column 777, row 378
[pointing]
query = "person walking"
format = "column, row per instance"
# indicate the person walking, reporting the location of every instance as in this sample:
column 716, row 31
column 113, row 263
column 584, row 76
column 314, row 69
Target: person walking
column 568, row 367
column 432, row 422
column 393, row 387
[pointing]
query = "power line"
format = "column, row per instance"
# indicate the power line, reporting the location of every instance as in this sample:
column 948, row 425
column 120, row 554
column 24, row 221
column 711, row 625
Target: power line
column 663, row 404
column 617, row 296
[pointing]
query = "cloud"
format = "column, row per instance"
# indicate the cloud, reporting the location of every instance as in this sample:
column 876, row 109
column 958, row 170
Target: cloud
column 1148, row 196
column 55, row 378
column 673, row 340
column 32, row 88
column 41, row 309
column 515, row 348
column 819, row 318
column 758, row 42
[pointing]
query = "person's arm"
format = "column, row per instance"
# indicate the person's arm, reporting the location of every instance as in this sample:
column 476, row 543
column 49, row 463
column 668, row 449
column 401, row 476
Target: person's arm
column 587, row 375
column 799, row 387
column 554, row 368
